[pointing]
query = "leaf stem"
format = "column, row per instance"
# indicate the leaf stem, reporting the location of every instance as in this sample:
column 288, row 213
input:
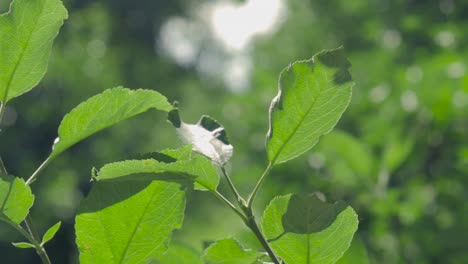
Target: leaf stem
column 32, row 178
column 3, row 170
column 228, row 203
column 247, row 215
column 239, row 198
column 258, row 185
column 39, row 249
column 17, row 227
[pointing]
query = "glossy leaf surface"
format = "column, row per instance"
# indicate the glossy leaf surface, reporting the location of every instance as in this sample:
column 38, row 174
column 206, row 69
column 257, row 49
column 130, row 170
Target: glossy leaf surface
column 104, row 110
column 169, row 164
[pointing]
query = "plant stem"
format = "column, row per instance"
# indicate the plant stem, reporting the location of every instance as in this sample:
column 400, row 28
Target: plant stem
column 3, row 170
column 258, row 185
column 239, row 198
column 18, row 228
column 31, row 229
column 252, row 224
column 38, row 170
column 39, row 248
column 230, row 205
column 247, row 216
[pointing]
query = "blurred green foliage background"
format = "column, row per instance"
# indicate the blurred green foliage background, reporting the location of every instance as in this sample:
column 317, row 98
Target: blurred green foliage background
column 399, row 155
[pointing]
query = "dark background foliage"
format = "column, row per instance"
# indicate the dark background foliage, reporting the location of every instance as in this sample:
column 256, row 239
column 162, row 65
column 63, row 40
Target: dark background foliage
column 399, row 156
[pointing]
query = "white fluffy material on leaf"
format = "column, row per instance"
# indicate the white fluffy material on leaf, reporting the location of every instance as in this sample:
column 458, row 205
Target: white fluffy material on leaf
column 206, row 142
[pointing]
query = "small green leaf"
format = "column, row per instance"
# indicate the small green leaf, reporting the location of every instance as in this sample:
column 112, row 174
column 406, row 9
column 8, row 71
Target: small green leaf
column 27, row 32
column 119, row 222
column 179, row 254
column 228, row 251
column 104, row 110
column 22, row 245
column 356, row 254
column 312, row 96
column 15, row 198
column 50, row 233
column 301, row 229
column 181, row 162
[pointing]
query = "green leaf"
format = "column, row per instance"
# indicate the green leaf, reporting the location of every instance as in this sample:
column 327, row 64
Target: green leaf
column 27, row 32
column 163, row 166
column 312, row 96
column 120, row 222
column 179, row 254
column 50, row 233
column 104, row 110
column 228, row 251
column 15, row 199
column 302, row 229
column 356, row 254
column 22, row 245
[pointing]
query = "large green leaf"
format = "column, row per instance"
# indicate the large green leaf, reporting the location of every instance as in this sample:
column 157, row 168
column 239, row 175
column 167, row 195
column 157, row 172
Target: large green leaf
column 312, row 96
column 27, row 32
column 303, row 230
column 104, row 110
column 15, row 199
column 179, row 254
column 228, row 251
column 157, row 166
column 120, row 222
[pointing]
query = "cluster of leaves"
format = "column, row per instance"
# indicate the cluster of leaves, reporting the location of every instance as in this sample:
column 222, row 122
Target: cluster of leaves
column 402, row 161
column 134, row 205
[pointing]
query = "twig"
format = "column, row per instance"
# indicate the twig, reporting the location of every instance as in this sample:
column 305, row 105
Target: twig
column 39, row 248
column 239, row 198
column 230, row 205
column 38, row 170
column 252, row 224
column 258, row 185
column 3, row 170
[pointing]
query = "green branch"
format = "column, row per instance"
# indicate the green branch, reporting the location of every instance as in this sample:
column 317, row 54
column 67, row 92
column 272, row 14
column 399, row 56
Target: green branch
column 29, row 236
column 258, row 185
column 32, row 178
column 3, row 170
column 239, row 198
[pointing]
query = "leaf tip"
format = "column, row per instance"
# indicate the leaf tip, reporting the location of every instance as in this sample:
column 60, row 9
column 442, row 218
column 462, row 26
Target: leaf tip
column 336, row 58
column 173, row 116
